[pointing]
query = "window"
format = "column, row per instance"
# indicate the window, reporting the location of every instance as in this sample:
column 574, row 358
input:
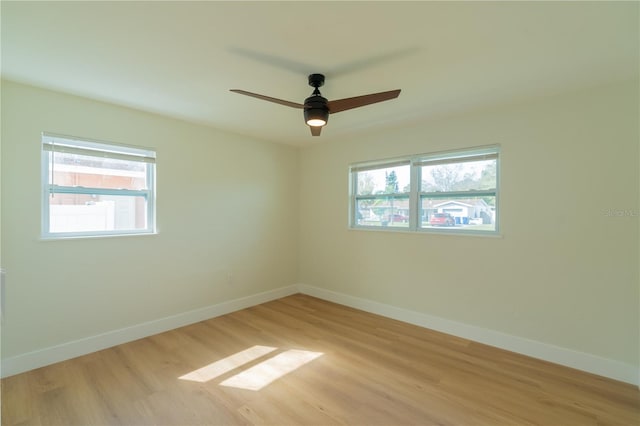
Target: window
column 92, row 189
column 454, row 192
column 382, row 194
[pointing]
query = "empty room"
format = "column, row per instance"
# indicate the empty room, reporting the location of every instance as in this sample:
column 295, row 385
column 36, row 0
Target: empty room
column 318, row 213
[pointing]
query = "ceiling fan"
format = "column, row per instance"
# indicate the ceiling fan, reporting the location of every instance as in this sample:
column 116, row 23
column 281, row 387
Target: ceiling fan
column 317, row 108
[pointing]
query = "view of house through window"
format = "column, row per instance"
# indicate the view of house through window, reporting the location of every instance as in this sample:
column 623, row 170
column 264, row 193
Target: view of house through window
column 454, row 191
column 459, row 192
column 92, row 188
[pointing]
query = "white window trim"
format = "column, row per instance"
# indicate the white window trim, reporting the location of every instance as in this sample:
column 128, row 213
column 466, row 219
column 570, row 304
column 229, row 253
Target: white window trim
column 416, row 162
column 52, row 142
column 353, row 189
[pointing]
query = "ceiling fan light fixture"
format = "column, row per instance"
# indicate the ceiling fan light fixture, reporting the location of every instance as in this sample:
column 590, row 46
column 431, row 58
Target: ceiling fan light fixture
column 316, row 112
column 315, row 122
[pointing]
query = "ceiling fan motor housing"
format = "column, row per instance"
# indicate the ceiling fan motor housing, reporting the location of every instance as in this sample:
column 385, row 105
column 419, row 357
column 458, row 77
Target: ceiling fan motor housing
column 315, row 108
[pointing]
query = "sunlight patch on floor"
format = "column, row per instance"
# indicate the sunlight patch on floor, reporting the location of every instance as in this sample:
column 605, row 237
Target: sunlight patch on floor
column 260, row 375
column 227, row 364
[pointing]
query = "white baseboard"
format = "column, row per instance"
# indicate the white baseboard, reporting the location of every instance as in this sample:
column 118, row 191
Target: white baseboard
column 579, row 360
column 68, row 350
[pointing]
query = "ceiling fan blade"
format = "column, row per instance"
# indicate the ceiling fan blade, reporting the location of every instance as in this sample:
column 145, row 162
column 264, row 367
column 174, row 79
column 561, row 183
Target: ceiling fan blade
column 315, row 130
column 359, row 101
column 268, row 98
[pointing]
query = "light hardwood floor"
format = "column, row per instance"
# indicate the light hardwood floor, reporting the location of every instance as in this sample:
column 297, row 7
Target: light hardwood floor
column 372, row 371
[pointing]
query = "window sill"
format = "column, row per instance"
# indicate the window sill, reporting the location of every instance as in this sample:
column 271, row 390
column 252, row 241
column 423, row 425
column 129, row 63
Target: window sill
column 460, row 233
column 93, row 237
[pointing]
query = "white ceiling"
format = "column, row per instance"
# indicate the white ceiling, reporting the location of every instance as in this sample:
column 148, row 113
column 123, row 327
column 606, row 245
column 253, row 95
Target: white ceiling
column 181, row 58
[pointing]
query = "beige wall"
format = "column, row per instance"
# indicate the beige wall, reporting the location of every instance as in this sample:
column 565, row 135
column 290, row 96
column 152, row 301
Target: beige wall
column 226, row 205
column 563, row 273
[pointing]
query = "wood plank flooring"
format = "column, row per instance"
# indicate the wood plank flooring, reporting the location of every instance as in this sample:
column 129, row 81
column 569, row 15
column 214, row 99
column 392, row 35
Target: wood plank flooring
column 372, row 371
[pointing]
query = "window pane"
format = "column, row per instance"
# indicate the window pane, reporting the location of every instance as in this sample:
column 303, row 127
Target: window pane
column 97, row 172
column 461, row 176
column 85, row 212
column 383, row 211
column 389, row 180
column 471, row 214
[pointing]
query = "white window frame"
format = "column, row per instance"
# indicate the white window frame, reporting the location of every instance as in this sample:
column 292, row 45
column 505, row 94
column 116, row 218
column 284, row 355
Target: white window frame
column 354, row 169
column 416, row 194
column 70, row 144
